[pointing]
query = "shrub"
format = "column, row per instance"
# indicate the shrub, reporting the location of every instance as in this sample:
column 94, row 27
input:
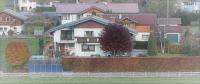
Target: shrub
column 17, row 54
column 152, row 46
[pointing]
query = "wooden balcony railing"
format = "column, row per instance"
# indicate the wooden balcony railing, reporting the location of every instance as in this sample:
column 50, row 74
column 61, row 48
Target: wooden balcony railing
column 87, row 39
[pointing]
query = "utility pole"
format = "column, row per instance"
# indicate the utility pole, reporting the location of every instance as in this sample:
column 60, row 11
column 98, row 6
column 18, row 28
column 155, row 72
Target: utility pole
column 166, row 26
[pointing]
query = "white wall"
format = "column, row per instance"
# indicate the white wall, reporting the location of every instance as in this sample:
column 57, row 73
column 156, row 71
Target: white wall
column 18, row 29
column 79, row 52
column 73, row 17
column 138, row 37
column 27, row 4
column 56, row 36
column 80, row 32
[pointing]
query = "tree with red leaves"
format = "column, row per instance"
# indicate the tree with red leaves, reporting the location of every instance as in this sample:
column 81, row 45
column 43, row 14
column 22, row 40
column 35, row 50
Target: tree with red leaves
column 116, row 39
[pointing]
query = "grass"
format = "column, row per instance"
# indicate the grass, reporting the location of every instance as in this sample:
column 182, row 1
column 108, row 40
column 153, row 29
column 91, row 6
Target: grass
column 3, row 3
column 32, row 44
column 117, row 80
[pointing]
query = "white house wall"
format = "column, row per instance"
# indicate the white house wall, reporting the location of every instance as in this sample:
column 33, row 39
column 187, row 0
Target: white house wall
column 73, row 17
column 80, row 32
column 26, row 4
column 79, row 52
column 57, row 36
column 139, row 36
column 18, row 29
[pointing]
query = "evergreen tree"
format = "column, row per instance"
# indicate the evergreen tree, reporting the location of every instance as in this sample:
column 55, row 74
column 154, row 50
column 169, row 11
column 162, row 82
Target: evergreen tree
column 152, row 46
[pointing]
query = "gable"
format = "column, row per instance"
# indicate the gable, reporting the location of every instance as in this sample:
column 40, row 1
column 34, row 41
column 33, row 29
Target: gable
column 93, row 9
column 7, row 19
column 90, row 24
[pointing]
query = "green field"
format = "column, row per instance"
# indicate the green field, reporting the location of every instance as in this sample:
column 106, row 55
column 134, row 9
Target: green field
column 72, row 80
column 3, row 3
column 32, row 44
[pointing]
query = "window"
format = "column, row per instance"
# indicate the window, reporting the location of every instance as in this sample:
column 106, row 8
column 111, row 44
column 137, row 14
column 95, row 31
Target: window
column 1, row 28
column 89, row 34
column 173, row 38
column 67, row 17
column 66, row 35
column 69, row 46
column 7, row 19
column 87, row 47
column 145, row 37
column 5, row 29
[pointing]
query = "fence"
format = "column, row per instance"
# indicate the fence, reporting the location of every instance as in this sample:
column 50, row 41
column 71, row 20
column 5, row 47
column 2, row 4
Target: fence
column 122, row 74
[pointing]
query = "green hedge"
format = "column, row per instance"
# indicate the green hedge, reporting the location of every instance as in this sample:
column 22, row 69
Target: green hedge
column 126, row 64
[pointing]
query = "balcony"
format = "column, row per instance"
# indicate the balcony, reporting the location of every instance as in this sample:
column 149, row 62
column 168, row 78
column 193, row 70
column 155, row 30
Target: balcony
column 87, row 39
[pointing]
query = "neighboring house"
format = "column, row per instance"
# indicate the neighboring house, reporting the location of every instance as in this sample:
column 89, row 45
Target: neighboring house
column 11, row 20
column 173, row 31
column 26, row 5
column 144, row 24
column 80, row 37
column 189, row 5
column 73, row 12
column 29, row 5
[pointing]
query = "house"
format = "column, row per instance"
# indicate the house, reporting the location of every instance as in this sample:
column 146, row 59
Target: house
column 11, row 20
column 73, row 12
column 26, row 5
column 144, row 24
column 80, row 37
column 189, row 5
column 29, row 5
column 171, row 28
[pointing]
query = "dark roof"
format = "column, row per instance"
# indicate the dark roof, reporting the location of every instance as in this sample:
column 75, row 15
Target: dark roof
column 71, row 24
column 113, row 7
column 89, row 18
column 173, row 29
column 149, row 19
column 171, row 21
column 51, row 14
column 16, row 14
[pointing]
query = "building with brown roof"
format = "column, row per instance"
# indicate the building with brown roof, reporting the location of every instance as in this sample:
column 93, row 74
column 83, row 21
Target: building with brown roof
column 72, row 12
column 171, row 29
column 144, row 24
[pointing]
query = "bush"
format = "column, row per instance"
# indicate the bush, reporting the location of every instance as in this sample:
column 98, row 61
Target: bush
column 173, row 49
column 17, row 54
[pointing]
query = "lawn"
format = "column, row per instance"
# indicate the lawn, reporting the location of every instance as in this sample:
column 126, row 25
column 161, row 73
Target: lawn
column 3, row 3
column 71, row 80
column 32, row 44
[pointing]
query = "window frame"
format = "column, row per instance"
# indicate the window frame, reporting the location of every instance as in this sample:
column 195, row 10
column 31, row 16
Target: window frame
column 88, row 48
column 86, row 34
